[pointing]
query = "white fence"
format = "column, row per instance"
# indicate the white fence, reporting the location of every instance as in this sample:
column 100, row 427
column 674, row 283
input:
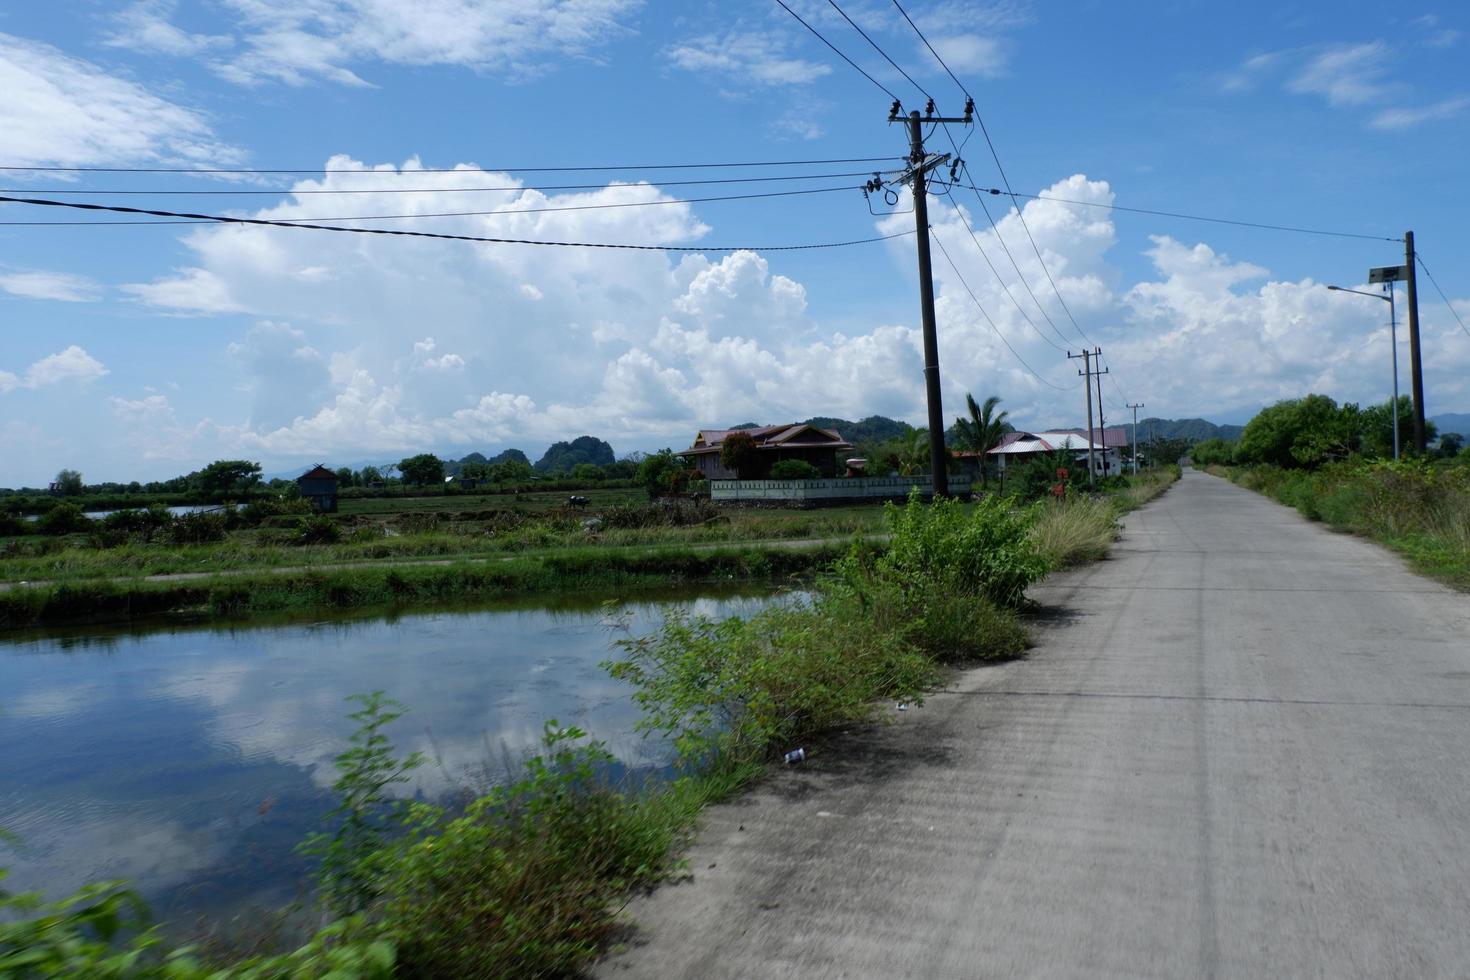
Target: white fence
column 815, row 491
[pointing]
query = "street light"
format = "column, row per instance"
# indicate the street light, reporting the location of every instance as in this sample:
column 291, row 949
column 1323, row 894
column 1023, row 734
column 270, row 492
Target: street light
column 1393, row 339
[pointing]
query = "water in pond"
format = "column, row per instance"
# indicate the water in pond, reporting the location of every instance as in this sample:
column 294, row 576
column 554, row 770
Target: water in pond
column 192, row 761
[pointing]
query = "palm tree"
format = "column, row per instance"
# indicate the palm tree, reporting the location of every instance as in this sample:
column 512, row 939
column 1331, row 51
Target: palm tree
column 981, row 432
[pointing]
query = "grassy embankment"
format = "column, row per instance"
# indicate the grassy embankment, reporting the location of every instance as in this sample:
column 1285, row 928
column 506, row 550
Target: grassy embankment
column 86, row 583
column 527, row 880
column 586, row 569
column 1418, row 508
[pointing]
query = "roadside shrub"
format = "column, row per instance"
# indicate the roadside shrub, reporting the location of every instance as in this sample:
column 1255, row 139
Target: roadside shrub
column 744, row 689
column 12, row 526
column 64, row 518
column 523, row 884
column 317, row 529
column 101, row 932
column 198, row 528
column 986, row 552
column 1034, row 480
column 795, row 469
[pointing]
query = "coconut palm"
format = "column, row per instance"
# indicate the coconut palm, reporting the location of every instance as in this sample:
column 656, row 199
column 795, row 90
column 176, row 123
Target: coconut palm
column 981, row 432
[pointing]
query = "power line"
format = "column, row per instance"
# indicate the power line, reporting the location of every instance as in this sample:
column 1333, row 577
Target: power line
column 1003, row 178
column 899, row 68
column 439, row 170
column 1191, row 217
column 874, row 43
column 838, row 52
column 945, row 252
column 222, row 219
column 422, row 190
column 469, row 214
column 931, row 48
column 995, row 227
column 1000, row 279
column 1453, row 312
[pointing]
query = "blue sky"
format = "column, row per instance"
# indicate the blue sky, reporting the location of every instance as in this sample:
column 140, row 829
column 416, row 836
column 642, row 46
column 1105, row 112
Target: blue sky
column 137, row 352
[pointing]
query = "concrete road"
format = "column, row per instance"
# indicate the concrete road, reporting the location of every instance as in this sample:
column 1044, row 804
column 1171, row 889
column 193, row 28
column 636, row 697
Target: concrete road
column 1241, row 748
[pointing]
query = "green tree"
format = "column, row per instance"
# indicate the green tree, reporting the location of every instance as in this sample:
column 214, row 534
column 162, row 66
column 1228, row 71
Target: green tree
column 422, row 470
column 345, row 477
column 1213, row 452
column 1377, row 428
column 1301, row 433
column 69, row 482
column 475, row 471
column 981, row 432
column 655, row 470
column 228, row 476
column 368, row 475
column 512, row 471
column 739, row 453
column 586, row 471
column 1450, row 444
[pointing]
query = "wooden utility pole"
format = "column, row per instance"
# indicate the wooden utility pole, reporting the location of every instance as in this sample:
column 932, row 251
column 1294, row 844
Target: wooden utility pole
column 1416, row 367
column 1086, row 373
column 920, row 163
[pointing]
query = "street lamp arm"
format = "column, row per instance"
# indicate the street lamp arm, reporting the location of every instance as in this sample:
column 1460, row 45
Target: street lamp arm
column 1359, row 292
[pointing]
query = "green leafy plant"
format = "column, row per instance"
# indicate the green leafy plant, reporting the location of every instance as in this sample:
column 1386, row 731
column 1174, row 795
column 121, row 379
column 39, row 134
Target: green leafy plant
column 351, row 856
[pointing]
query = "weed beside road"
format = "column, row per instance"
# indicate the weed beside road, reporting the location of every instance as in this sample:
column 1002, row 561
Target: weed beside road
column 1081, row 528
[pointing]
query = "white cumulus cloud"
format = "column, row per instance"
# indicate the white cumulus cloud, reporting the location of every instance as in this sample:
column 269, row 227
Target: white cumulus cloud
column 70, row 365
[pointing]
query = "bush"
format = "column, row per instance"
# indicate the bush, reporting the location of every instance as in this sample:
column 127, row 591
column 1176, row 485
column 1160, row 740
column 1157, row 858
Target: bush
column 524, row 883
column 198, row 528
column 65, row 518
column 12, row 526
column 795, row 469
column 317, row 529
column 986, row 552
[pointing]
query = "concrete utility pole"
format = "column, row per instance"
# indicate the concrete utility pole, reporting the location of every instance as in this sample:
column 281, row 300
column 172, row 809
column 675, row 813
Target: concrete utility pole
column 1135, row 435
column 920, row 163
column 1086, row 373
column 1102, row 431
column 1416, row 367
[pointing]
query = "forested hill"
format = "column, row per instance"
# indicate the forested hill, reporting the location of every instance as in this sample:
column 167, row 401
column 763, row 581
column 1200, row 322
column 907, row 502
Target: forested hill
column 1190, row 430
column 874, row 428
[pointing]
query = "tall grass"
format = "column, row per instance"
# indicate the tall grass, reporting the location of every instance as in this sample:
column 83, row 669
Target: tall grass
column 1081, row 528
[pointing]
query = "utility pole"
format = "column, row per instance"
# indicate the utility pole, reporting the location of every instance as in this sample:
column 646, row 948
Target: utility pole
column 1135, row 434
column 1416, row 367
column 1102, row 431
column 920, row 163
column 1086, row 373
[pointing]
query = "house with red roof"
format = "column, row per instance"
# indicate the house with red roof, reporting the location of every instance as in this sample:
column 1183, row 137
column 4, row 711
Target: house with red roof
column 773, row 443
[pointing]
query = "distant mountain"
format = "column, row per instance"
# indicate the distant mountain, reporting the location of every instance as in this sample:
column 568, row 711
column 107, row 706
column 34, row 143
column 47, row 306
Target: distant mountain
column 1452, row 422
column 874, row 428
column 562, row 456
column 1192, row 430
